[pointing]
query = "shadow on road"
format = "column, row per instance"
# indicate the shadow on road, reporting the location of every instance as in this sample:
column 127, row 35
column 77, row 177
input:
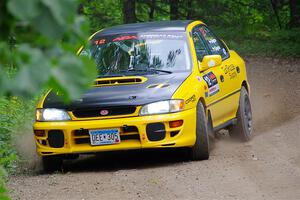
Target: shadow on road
column 134, row 159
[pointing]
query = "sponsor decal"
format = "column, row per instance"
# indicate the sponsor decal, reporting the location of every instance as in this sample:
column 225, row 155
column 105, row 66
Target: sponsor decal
column 230, row 71
column 132, row 97
column 213, row 90
column 212, row 83
column 104, row 112
column 191, row 99
column 202, row 31
column 216, row 48
column 127, row 37
column 212, row 41
column 101, row 41
column 170, row 36
column 199, row 78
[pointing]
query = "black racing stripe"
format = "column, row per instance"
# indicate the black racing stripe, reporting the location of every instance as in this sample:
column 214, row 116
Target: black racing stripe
column 233, row 93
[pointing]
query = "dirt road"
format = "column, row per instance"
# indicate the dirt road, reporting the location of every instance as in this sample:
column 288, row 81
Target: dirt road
column 268, row 167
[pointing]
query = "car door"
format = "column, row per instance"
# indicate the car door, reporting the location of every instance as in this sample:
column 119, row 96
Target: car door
column 219, row 84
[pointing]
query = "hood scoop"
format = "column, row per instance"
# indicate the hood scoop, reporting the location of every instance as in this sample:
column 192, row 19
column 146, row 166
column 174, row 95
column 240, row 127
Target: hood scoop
column 119, row 81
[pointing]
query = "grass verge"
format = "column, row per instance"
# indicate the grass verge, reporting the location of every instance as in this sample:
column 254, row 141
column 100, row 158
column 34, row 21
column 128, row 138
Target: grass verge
column 14, row 112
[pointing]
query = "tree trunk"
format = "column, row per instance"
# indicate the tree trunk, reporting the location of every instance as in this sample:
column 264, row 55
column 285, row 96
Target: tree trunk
column 4, row 22
column 174, row 10
column 189, row 9
column 152, row 9
column 129, row 15
column 80, row 9
column 295, row 13
column 275, row 9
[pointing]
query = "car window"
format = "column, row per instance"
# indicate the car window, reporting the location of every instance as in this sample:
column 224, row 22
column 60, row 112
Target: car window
column 139, row 53
column 215, row 45
column 200, row 47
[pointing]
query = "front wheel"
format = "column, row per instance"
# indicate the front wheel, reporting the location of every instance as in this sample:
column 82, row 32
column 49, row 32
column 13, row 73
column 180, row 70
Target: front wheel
column 200, row 151
column 243, row 128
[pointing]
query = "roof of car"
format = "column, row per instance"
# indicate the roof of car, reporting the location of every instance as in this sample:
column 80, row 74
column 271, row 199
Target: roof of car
column 174, row 26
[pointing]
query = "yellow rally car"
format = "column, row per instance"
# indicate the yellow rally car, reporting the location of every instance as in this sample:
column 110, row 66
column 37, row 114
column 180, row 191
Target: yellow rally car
column 160, row 85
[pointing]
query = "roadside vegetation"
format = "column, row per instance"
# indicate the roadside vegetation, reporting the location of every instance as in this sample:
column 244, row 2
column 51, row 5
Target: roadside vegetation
column 39, row 39
column 260, row 28
column 14, row 113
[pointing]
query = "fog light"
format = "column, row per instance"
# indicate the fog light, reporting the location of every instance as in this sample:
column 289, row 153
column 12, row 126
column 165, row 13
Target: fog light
column 175, row 124
column 39, row 133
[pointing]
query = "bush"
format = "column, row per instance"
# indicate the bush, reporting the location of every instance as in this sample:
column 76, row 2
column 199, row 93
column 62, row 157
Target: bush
column 3, row 177
column 261, row 41
column 13, row 113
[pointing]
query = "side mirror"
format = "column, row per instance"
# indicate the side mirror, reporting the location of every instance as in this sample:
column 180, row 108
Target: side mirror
column 210, row 61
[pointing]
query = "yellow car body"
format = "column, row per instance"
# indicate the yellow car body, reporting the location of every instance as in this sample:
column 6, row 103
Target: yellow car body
column 180, row 127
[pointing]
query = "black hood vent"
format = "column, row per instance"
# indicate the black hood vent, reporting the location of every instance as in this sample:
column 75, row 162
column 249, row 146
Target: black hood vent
column 119, row 81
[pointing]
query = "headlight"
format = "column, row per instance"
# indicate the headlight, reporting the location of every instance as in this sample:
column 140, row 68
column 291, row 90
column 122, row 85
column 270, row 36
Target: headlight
column 51, row 114
column 160, row 107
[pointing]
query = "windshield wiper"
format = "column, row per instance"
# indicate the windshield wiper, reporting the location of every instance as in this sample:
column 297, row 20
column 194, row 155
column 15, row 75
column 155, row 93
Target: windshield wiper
column 123, row 72
column 160, row 70
column 149, row 70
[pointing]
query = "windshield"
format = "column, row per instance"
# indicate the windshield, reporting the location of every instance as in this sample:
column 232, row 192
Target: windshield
column 138, row 54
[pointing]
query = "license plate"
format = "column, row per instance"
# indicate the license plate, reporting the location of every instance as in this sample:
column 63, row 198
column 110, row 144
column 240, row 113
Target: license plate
column 104, row 136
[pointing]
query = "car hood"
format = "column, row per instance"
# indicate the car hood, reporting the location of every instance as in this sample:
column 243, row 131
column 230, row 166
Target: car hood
column 157, row 87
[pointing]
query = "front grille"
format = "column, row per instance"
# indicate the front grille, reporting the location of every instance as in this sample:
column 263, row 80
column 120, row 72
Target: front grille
column 82, row 140
column 104, row 112
column 82, row 136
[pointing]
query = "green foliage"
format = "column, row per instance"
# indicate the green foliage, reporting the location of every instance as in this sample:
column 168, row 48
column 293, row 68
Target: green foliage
column 103, row 14
column 43, row 38
column 282, row 43
column 38, row 44
column 3, row 177
column 249, row 27
column 14, row 112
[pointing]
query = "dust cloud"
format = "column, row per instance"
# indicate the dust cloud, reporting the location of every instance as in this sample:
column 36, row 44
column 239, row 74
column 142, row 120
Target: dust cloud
column 25, row 145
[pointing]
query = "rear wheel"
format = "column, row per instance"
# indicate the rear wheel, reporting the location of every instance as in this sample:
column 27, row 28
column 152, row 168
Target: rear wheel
column 243, row 128
column 200, row 151
column 52, row 163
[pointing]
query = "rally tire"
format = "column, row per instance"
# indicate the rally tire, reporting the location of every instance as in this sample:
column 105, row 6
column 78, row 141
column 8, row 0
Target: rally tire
column 200, row 151
column 243, row 129
column 210, row 129
column 52, row 163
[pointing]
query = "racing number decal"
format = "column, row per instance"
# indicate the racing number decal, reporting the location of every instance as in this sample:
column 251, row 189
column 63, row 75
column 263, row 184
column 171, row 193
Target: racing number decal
column 212, row 83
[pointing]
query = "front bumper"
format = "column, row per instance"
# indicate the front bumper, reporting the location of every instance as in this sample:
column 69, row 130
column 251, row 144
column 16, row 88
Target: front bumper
column 183, row 136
